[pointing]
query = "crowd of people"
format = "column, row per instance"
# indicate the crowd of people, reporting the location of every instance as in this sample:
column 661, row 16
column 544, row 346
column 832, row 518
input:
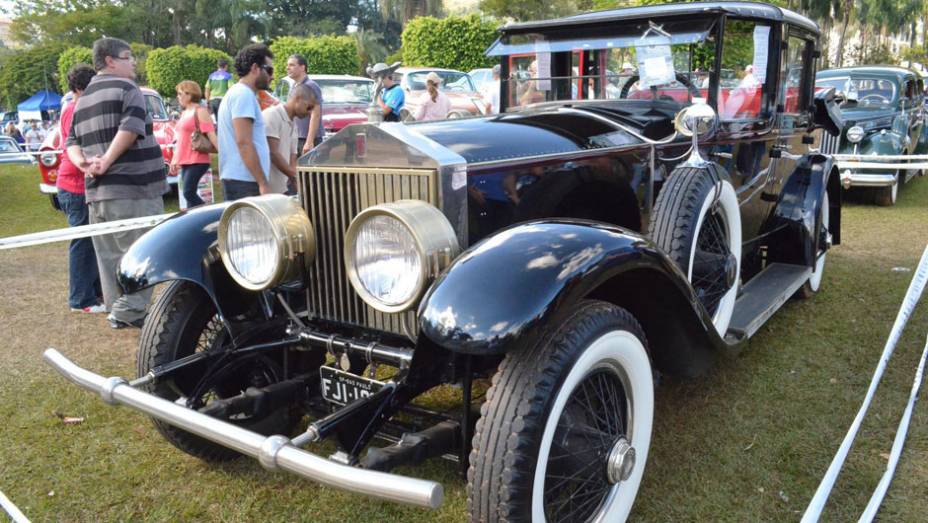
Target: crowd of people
column 31, row 135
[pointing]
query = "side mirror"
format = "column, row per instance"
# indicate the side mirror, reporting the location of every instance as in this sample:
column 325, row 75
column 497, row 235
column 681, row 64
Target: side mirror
column 826, row 114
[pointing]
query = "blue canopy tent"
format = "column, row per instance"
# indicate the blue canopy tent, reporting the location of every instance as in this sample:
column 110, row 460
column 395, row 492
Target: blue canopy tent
column 43, row 100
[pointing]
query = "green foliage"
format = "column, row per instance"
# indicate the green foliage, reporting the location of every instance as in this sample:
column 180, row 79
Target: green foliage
column 455, row 42
column 395, row 57
column 68, row 58
column 26, row 71
column 168, row 67
column 324, row 54
column 140, row 52
column 531, row 9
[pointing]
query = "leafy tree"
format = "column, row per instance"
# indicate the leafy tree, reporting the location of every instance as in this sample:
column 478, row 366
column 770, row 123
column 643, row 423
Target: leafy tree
column 26, row 71
column 371, row 48
column 168, row 67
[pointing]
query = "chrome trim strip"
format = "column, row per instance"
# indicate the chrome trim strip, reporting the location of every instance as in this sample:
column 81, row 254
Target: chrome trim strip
column 882, row 157
column 274, row 452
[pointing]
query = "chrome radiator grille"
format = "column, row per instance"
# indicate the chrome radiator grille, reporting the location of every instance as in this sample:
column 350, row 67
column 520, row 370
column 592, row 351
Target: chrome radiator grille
column 829, row 143
column 332, row 197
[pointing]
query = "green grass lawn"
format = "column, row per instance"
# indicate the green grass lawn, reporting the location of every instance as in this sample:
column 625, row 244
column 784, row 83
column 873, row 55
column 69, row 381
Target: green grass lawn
column 748, row 442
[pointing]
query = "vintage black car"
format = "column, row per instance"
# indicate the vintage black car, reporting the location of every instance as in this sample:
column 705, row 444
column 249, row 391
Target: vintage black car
column 561, row 254
column 884, row 116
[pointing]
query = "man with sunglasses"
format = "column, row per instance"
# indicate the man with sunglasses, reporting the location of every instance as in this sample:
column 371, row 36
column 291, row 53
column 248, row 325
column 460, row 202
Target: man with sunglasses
column 112, row 143
column 244, row 156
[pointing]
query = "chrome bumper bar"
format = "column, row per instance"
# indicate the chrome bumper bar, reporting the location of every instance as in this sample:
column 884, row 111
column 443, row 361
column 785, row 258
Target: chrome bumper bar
column 273, row 452
column 883, row 161
column 45, row 188
column 852, row 179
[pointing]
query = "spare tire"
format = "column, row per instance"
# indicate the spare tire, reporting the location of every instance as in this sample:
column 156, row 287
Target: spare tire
column 697, row 222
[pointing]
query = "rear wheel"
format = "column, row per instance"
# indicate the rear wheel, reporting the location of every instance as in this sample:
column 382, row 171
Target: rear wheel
column 824, row 238
column 183, row 321
column 565, row 431
column 697, row 222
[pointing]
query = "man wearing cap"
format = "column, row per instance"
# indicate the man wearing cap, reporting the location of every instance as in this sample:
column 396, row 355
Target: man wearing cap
column 391, row 99
column 490, row 92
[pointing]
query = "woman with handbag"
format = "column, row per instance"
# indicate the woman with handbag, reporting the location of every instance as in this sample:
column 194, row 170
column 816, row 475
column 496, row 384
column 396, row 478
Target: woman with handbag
column 196, row 139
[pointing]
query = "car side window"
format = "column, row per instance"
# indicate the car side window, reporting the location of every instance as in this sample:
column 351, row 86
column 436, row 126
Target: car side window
column 793, row 74
column 745, row 52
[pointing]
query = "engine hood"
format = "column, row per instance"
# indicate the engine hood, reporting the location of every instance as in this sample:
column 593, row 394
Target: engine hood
column 543, row 131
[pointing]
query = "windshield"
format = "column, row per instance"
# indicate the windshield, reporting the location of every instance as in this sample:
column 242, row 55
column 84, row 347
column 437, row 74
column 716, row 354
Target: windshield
column 635, row 60
column 8, row 146
column 453, row 81
column 867, row 91
column 155, row 107
column 346, row 91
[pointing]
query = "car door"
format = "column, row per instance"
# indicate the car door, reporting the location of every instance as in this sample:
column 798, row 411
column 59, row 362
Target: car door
column 793, row 115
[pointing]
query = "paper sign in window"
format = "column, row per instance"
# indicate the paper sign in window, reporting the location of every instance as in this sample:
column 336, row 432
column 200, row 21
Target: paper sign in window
column 543, row 63
column 655, row 63
column 761, row 51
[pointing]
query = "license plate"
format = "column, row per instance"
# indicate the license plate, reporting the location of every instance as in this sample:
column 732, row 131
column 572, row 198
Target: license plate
column 343, row 388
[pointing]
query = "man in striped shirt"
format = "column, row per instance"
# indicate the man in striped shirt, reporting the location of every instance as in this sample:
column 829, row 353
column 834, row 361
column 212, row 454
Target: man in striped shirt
column 111, row 141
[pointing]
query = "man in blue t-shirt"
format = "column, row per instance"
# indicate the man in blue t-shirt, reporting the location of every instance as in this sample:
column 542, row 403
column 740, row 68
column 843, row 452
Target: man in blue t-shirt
column 391, row 100
column 244, row 157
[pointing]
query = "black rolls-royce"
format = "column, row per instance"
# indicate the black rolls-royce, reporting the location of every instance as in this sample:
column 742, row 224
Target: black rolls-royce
column 650, row 196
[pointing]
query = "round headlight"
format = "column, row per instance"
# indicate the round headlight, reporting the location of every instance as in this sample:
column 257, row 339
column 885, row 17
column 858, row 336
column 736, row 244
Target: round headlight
column 265, row 241
column 392, row 251
column 855, row 134
column 49, row 159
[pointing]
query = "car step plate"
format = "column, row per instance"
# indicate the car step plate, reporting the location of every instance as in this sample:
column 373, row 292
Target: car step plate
column 342, row 388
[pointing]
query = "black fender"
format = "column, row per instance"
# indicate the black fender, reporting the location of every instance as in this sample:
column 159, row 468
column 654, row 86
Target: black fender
column 795, row 217
column 184, row 247
column 500, row 294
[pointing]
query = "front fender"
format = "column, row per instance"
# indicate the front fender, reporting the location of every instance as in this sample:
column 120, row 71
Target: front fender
column 184, row 248
column 795, row 217
column 502, row 293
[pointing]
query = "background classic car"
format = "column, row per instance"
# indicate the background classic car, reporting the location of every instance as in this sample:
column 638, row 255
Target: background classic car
column 162, row 126
column 564, row 249
column 11, row 152
column 885, row 115
column 457, row 85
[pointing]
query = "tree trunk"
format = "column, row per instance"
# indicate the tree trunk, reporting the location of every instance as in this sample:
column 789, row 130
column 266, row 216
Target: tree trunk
column 847, row 17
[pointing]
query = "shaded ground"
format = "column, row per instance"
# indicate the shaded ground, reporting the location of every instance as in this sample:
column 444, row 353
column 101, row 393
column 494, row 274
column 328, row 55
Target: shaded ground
column 748, row 442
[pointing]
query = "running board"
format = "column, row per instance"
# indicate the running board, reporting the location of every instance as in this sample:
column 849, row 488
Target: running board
column 763, row 296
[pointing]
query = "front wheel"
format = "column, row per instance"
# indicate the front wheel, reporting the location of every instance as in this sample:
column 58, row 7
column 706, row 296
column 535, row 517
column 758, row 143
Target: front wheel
column 182, row 321
column 565, row 431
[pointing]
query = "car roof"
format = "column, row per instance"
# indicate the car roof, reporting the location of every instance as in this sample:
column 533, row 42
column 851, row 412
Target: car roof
column 315, row 77
column 740, row 9
column 149, row 90
column 868, row 70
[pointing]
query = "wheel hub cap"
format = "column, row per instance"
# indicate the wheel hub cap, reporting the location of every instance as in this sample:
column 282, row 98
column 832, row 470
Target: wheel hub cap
column 621, row 461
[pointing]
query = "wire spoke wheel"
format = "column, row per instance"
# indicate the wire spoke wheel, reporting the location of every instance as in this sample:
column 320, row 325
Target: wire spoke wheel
column 576, row 478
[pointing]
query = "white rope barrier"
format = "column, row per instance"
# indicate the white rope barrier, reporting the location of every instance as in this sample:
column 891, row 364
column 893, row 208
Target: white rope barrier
column 916, row 287
column 82, row 231
column 877, row 498
column 12, row 510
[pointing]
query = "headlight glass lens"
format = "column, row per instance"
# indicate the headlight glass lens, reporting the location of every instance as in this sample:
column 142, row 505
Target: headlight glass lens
column 251, row 247
column 48, row 159
column 855, row 134
column 387, row 260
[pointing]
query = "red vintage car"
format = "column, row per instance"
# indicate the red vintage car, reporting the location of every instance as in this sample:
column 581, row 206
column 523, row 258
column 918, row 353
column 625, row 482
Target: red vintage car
column 345, row 100
column 163, row 128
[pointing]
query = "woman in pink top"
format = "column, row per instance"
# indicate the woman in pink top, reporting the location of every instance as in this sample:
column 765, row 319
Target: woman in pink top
column 437, row 105
column 191, row 164
column 83, row 277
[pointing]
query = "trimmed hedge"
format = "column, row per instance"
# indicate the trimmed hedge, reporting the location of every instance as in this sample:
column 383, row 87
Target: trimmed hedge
column 70, row 57
column 165, row 68
column 324, row 54
column 456, row 42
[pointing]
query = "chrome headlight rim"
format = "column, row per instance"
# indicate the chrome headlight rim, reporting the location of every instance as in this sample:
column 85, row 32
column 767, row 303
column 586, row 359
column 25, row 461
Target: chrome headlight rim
column 48, row 159
column 690, row 118
column 855, row 134
column 436, row 246
column 290, row 229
